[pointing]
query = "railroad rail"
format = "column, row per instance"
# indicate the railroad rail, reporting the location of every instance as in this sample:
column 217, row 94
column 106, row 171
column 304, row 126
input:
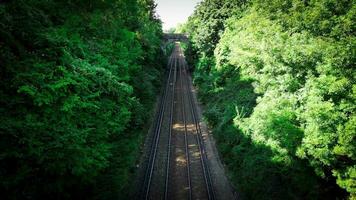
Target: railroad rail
column 203, row 155
column 159, row 179
column 157, row 131
column 185, row 127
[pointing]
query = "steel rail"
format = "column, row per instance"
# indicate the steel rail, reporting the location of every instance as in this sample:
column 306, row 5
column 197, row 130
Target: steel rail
column 170, row 129
column 203, row 156
column 185, row 127
column 153, row 152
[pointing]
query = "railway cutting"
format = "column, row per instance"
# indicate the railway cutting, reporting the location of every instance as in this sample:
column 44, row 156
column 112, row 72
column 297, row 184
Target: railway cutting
column 180, row 159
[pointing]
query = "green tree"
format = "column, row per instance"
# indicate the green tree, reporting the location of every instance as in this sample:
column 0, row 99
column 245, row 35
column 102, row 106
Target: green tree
column 77, row 79
column 280, row 97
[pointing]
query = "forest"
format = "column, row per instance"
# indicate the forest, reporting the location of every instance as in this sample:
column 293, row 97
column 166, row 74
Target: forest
column 78, row 80
column 277, row 80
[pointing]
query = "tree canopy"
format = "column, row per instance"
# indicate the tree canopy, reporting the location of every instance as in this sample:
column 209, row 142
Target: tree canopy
column 278, row 81
column 77, row 81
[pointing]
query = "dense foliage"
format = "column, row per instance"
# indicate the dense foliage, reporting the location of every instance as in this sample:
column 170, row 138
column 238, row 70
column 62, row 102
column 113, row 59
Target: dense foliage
column 207, row 24
column 77, row 81
column 279, row 91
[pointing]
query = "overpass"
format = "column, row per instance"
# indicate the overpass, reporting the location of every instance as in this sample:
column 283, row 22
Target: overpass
column 175, row 37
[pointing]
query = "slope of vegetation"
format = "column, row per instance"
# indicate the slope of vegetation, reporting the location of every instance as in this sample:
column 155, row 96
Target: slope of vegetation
column 278, row 81
column 77, row 81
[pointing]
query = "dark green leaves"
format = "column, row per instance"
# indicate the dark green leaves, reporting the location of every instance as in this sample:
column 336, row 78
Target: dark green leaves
column 72, row 107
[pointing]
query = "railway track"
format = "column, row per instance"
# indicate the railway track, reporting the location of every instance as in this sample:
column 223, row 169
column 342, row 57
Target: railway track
column 177, row 163
column 198, row 137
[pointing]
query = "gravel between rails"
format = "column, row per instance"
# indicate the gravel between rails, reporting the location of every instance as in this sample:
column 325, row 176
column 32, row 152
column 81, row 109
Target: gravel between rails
column 179, row 125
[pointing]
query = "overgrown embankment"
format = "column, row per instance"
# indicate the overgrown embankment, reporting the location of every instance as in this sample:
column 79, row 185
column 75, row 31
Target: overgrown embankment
column 77, row 81
column 278, row 82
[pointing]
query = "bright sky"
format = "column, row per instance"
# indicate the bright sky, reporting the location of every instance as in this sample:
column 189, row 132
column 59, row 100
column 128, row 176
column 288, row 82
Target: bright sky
column 173, row 12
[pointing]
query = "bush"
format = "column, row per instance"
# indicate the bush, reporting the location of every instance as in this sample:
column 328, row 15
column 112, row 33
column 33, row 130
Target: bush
column 279, row 93
column 77, row 80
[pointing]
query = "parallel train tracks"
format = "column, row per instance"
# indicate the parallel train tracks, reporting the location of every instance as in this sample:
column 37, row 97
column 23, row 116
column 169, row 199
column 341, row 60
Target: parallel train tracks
column 177, row 164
